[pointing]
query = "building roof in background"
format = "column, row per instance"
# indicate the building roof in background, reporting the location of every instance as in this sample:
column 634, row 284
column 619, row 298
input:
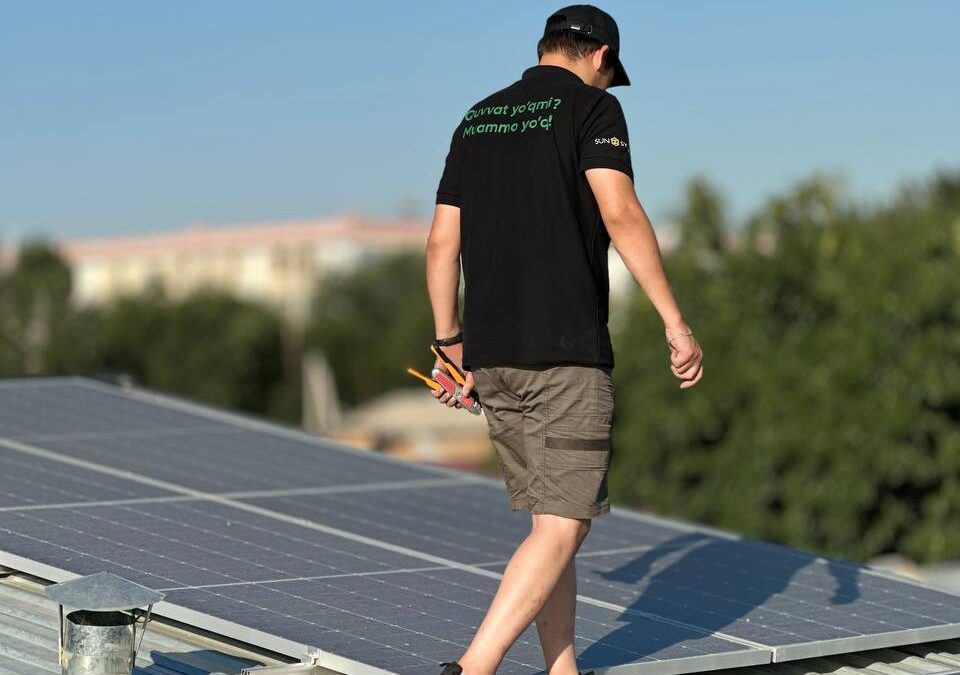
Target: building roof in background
column 200, row 236
column 362, row 230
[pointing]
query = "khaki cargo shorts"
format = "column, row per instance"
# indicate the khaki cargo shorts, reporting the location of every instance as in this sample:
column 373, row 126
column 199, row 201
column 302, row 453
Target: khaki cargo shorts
column 550, row 427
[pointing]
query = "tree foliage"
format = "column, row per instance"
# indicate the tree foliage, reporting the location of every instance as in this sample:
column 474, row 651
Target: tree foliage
column 828, row 417
column 371, row 322
column 209, row 346
column 34, row 300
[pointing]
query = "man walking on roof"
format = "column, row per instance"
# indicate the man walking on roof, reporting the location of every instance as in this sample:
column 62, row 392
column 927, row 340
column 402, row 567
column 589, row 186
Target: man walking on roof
column 537, row 182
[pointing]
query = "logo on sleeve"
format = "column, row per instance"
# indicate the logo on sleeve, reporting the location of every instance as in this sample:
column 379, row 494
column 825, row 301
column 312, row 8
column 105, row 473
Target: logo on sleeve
column 613, row 140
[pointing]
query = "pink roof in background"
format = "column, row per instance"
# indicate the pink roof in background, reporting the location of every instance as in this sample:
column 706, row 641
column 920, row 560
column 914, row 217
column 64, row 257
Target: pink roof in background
column 199, row 236
column 384, row 231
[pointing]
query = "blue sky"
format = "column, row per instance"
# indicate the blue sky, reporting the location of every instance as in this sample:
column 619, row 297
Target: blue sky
column 120, row 117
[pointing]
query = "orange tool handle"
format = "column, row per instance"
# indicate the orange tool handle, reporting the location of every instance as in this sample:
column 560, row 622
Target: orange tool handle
column 433, row 384
column 454, row 371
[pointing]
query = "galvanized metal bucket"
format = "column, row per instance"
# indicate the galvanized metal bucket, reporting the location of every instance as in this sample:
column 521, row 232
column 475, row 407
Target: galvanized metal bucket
column 99, row 643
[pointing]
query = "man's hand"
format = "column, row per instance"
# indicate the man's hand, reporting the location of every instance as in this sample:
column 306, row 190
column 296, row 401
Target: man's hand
column 455, row 354
column 686, row 357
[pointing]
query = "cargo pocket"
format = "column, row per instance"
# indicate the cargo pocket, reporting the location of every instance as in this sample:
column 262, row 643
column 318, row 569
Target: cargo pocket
column 579, row 441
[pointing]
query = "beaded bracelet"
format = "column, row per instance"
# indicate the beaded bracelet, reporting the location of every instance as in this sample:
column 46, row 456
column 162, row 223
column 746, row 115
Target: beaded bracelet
column 670, row 340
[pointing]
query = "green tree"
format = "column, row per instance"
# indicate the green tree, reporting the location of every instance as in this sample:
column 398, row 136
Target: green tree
column 829, row 413
column 34, row 304
column 209, row 346
column 703, row 222
column 372, row 322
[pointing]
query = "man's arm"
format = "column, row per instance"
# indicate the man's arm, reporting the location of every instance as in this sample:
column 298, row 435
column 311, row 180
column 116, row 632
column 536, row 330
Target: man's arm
column 633, row 237
column 443, row 285
column 443, row 269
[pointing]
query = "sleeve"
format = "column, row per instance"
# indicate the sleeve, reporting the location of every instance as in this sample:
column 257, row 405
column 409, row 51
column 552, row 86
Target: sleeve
column 448, row 192
column 603, row 141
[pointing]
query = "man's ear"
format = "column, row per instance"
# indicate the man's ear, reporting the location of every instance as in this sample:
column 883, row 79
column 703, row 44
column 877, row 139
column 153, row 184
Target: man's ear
column 598, row 57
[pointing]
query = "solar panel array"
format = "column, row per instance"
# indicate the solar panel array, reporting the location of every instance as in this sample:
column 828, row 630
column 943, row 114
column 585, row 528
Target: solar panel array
column 271, row 536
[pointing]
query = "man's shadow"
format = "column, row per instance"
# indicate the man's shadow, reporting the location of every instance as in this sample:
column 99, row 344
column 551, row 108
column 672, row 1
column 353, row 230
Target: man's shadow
column 712, row 584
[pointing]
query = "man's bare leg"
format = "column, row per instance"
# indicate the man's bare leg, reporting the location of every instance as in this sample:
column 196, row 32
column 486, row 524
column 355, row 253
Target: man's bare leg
column 555, row 624
column 527, row 584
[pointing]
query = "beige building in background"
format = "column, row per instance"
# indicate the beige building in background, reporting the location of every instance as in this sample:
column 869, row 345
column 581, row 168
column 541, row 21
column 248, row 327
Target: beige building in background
column 280, row 263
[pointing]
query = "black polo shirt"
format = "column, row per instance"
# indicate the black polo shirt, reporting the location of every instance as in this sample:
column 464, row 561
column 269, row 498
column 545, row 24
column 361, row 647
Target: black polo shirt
column 533, row 245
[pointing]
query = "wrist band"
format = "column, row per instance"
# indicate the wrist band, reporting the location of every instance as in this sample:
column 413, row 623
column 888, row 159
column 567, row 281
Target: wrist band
column 446, row 342
column 690, row 332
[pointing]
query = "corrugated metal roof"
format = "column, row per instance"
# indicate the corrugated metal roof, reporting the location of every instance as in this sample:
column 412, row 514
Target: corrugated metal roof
column 926, row 658
column 28, row 641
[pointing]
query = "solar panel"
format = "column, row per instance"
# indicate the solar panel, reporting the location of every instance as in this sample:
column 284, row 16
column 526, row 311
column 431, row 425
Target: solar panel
column 39, row 407
column 408, row 622
column 32, row 481
column 354, row 599
column 268, row 535
column 229, row 460
column 777, row 597
column 454, row 519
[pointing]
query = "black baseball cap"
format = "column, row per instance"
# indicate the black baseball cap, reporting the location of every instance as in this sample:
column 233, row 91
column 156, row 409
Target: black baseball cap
column 594, row 23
